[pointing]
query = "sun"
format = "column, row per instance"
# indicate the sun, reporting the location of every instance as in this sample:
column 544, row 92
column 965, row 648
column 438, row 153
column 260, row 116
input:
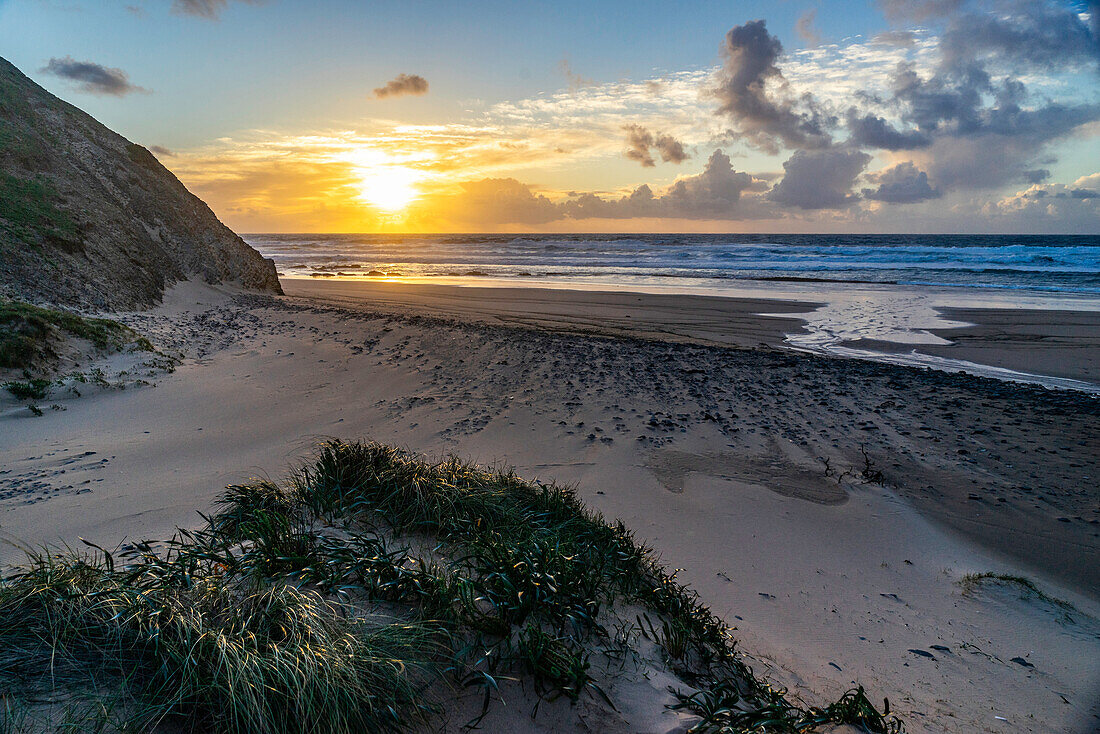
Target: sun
column 391, row 188
column 384, row 181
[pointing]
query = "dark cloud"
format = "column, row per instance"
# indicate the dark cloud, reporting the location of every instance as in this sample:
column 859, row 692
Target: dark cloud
column 974, row 113
column 1037, row 33
column 639, row 140
column 980, row 161
column 209, row 9
column 161, row 151
column 972, row 108
column 1066, row 194
column 983, row 134
column 402, row 85
column 671, row 149
column 714, row 192
column 875, row 132
column 751, row 92
column 902, row 184
column 820, row 179
column 91, row 77
column 804, row 27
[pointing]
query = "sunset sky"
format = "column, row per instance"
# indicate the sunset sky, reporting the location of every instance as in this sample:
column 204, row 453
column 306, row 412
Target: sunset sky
column 911, row 116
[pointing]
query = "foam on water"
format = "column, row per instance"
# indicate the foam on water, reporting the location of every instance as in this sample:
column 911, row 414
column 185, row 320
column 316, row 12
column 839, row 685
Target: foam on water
column 881, row 287
column 1068, row 264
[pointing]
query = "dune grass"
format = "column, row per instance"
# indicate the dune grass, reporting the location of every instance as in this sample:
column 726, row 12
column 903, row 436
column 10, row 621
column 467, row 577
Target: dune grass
column 348, row 597
column 973, row 581
column 28, row 334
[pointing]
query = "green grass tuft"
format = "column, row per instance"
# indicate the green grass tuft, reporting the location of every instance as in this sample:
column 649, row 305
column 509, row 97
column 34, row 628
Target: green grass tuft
column 295, row 609
column 29, row 209
column 973, row 581
column 28, row 333
column 34, row 389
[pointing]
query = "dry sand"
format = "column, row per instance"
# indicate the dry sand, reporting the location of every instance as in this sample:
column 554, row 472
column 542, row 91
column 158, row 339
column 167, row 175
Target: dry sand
column 714, row 455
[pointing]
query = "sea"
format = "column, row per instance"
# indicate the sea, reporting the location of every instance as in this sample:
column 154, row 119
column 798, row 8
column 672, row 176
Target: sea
column 1062, row 263
column 882, row 287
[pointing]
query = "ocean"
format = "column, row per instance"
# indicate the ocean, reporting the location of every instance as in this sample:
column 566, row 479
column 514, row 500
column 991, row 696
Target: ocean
column 891, row 288
column 1057, row 264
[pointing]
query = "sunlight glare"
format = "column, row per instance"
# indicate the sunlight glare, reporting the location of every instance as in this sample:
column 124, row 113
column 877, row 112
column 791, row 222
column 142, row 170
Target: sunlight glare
column 390, row 188
column 385, row 183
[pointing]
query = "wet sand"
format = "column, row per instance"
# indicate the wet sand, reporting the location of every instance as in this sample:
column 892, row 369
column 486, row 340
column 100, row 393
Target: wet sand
column 1041, row 342
column 676, row 318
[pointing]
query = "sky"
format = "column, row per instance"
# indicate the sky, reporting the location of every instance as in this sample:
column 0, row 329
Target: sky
column 612, row 116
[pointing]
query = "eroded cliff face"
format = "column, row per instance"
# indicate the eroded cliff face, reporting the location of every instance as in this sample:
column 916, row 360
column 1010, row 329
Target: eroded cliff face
column 89, row 219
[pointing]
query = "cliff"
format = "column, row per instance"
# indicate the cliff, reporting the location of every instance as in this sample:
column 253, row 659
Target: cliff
column 89, row 219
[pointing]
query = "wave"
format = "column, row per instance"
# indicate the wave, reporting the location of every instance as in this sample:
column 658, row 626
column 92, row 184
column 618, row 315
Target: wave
column 1066, row 263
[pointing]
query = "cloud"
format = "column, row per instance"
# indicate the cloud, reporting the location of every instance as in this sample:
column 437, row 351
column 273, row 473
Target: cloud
column 967, row 121
column 671, row 149
column 402, row 85
column 161, row 151
column 92, row 77
column 998, row 93
column 875, row 132
column 804, row 27
column 820, row 179
column 496, row 201
column 1071, row 207
column 208, row 9
column 639, row 140
column 1037, row 32
column 576, row 81
column 919, row 10
column 751, row 92
column 903, row 39
column 902, row 184
column 716, row 193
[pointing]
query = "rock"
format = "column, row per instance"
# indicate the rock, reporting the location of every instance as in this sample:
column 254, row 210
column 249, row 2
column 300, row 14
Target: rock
column 89, row 219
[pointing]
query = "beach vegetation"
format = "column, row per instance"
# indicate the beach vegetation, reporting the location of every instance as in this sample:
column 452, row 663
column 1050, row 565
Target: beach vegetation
column 353, row 596
column 29, row 334
column 971, row 582
column 34, row 389
column 29, row 210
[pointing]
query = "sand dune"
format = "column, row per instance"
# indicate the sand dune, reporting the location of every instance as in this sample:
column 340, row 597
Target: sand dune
column 828, row 508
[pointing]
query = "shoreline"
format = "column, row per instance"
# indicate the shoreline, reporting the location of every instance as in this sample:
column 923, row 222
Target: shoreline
column 985, row 341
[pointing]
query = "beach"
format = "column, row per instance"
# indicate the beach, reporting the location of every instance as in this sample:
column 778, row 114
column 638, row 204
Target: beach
column 830, row 509
column 572, row 369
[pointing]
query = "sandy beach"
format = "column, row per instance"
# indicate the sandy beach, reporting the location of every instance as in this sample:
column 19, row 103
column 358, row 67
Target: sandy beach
column 827, row 508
